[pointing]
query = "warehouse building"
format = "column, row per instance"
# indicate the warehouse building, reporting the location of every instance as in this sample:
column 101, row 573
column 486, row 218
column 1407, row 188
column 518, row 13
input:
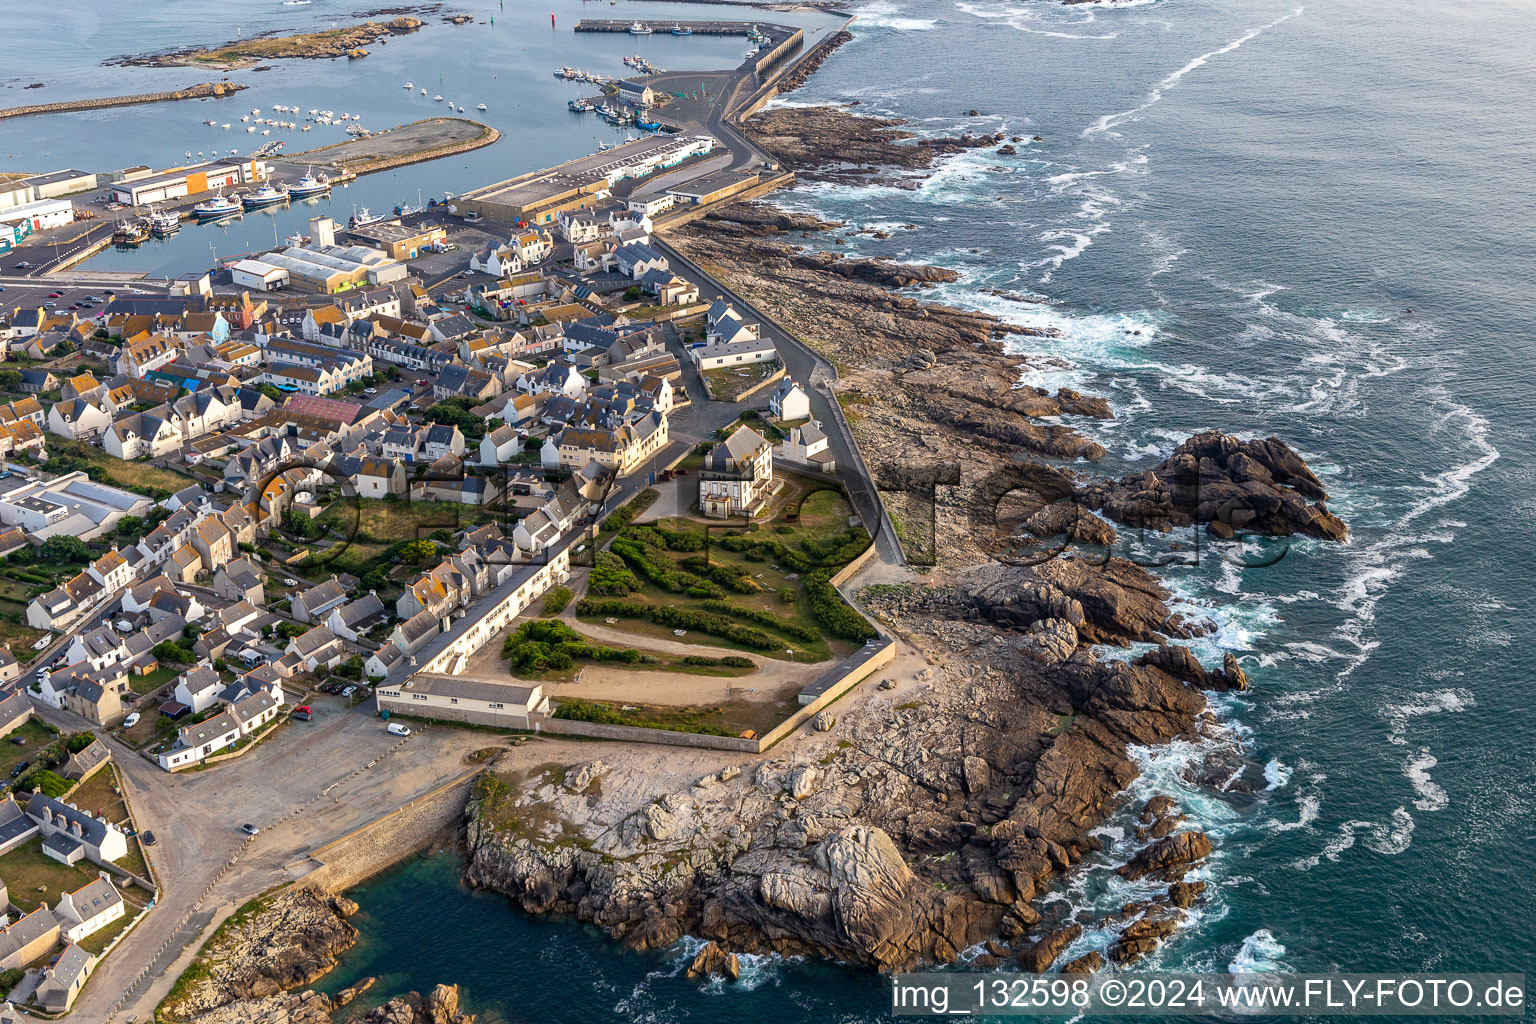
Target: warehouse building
column 62, row 183
column 713, row 187
column 43, row 214
column 15, row 192
column 328, row 269
column 400, row 241
column 456, row 699
column 258, row 276
column 190, row 181
column 539, row 197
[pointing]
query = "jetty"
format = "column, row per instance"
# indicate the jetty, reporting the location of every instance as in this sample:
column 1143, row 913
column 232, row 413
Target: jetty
column 201, row 91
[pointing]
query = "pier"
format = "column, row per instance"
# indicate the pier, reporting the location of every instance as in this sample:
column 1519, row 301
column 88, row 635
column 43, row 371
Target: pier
column 664, row 27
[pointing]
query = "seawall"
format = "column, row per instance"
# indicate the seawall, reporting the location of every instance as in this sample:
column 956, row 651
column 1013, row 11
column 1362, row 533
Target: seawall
column 203, row 90
column 391, row 838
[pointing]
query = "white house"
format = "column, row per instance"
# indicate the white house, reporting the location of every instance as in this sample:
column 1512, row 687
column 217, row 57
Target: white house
column 737, row 476
column 89, row 908
column 807, row 445
column 198, row 688
column 497, row 260
column 78, row 419
column 789, row 402
column 77, row 832
column 200, row 740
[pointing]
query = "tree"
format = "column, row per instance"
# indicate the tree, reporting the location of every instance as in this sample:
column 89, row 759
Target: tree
column 79, row 741
column 632, row 293
column 10, row 379
column 130, row 526
column 65, row 548
column 418, row 551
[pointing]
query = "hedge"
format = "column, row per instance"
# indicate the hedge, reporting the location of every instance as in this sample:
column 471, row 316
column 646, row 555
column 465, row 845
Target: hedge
column 829, row 609
column 610, row 576
column 768, row 619
column 678, row 618
column 625, row 514
column 723, row 573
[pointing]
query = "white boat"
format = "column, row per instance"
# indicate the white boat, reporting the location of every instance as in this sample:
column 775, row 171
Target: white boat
column 311, row 184
column 408, row 85
column 219, row 206
column 681, row 30
column 438, row 98
column 162, row 223
column 481, row 107
column 251, row 128
column 266, row 195
column 423, row 92
column 637, row 29
column 362, row 217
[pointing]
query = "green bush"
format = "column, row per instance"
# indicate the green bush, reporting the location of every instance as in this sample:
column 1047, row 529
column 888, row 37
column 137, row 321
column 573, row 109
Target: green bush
column 611, row 577
column 625, row 514
column 10, row 979
column 679, row 618
column 829, row 609
column 723, row 573
column 768, row 619
column 169, row 650
column 79, row 741
column 556, row 600
column 49, row 783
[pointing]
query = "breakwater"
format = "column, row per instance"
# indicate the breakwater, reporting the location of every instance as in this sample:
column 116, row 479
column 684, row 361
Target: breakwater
column 203, row 90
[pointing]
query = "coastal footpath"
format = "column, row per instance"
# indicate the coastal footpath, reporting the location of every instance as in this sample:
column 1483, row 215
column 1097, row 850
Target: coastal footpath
column 203, row 90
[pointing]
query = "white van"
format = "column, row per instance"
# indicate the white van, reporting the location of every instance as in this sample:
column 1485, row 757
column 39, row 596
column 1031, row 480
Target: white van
column 399, row 730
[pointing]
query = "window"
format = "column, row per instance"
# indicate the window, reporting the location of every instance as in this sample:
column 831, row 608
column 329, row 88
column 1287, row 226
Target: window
column 418, row 696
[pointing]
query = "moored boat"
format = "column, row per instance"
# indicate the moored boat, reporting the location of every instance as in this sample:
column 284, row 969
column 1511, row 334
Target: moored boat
column 265, row 195
column 639, row 29
column 311, row 184
column 681, row 30
column 219, row 206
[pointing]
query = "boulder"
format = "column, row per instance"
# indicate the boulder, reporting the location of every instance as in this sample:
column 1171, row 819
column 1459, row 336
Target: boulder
column 1169, row 857
column 824, row 721
column 714, row 962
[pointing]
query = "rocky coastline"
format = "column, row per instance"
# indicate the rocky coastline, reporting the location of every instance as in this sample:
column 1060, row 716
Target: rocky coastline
column 254, row 969
column 922, row 823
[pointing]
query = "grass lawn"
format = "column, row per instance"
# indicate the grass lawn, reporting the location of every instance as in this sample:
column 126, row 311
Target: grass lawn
column 387, row 522
column 804, row 513
column 134, row 861
column 38, row 735
column 726, row 384
column 140, row 477
column 729, row 719
column 99, row 795
column 34, row 879
column 152, row 681
column 663, row 663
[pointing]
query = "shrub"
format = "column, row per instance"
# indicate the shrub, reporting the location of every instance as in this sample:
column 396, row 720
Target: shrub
column 64, row 547
column 625, row 514
column 829, row 609
column 79, row 741
column 49, row 783
column 11, row 978
column 723, row 573
column 768, row 619
column 612, row 609
column 170, row 650
column 556, row 600
column 610, row 576
column 645, row 562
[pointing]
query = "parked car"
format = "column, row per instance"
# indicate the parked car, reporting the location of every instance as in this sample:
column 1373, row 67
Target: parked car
column 348, row 691
column 396, row 729
column 147, row 838
column 249, row 829
column 21, row 767
column 303, row 716
column 131, row 721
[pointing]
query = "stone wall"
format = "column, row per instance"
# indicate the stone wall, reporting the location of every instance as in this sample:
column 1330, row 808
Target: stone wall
column 199, row 91
column 387, row 840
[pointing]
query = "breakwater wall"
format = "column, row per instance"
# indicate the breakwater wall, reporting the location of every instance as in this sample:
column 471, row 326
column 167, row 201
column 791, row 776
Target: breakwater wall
column 699, row 28
column 793, row 76
column 387, row 840
column 204, row 90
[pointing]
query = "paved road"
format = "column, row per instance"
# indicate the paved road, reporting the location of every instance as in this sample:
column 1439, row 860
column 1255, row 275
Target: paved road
column 810, row 370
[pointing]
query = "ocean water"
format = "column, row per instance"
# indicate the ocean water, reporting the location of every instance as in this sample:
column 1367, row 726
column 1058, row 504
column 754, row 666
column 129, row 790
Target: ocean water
column 1309, row 219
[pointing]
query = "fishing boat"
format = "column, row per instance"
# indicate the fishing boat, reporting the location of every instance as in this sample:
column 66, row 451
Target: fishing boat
column 362, row 217
column 311, row 184
column 162, row 222
column 638, row 29
column 579, row 106
column 129, row 234
column 297, row 240
column 219, row 206
column 266, row 195
column 681, row 30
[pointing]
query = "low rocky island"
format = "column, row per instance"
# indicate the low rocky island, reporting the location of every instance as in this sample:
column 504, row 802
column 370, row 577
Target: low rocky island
column 245, row 53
